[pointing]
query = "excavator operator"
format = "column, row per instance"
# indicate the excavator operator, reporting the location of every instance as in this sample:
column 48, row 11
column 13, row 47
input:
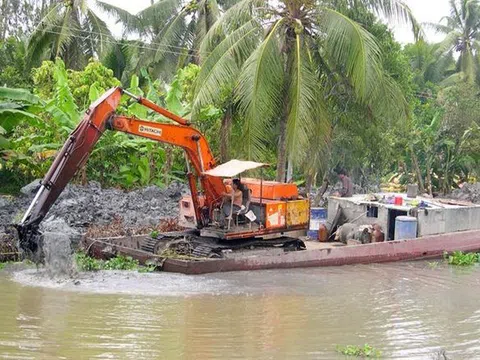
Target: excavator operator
column 234, row 198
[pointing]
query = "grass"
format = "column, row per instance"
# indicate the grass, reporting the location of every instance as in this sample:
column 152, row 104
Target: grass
column 458, row 258
column 365, row 351
column 87, row 263
column 27, row 262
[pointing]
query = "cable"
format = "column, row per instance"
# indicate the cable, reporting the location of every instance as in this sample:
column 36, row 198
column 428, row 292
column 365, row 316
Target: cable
column 118, row 42
column 110, row 36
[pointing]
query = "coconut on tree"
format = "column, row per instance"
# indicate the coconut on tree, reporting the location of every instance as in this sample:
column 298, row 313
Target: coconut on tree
column 462, row 37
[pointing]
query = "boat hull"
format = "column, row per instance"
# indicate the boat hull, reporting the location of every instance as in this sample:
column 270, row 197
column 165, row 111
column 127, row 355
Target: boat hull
column 428, row 247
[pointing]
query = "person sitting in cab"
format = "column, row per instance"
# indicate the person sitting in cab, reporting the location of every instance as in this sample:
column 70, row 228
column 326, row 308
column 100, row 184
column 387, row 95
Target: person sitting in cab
column 237, row 195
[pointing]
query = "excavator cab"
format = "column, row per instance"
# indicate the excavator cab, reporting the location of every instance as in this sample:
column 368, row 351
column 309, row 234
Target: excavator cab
column 270, row 209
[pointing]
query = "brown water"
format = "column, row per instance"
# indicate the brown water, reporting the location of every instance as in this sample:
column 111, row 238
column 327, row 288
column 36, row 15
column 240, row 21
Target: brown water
column 407, row 310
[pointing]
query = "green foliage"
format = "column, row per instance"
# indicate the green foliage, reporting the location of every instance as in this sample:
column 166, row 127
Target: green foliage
column 461, row 29
column 285, row 78
column 12, row 64
column 321, row 84
column 85, row 85
column 147, row 269
column 87, row 263
column 37, row 126
column 121, row 263
column 70, row 30
column 459, row 258
column 365, row 351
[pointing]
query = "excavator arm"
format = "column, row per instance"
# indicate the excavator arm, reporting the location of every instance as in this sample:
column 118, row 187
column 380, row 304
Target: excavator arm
column 76, row 150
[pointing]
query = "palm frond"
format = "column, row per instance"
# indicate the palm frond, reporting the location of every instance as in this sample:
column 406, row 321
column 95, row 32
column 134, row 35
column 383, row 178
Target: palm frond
column 232, row 19
column 259, row 92
column 221, row 67
column 168, row 40
column 394, row 9
column 44, row 35
column 131, row 23
column 160, row 12
column 118, row 57
column 207, row 14
column 353, row 51
column 64, row 33
column 388, row 101
column 439, row 28
column 304, row 107
column 448, row 43
column 99, row 33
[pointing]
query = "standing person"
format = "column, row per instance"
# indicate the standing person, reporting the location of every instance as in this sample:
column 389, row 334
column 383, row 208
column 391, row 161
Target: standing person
column 347, row 185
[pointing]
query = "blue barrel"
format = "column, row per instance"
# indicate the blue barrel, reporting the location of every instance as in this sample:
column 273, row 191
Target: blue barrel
column 317, row 216
column 405, row 227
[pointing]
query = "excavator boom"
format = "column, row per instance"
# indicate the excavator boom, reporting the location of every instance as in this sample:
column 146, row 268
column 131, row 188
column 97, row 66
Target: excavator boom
column 76, row 150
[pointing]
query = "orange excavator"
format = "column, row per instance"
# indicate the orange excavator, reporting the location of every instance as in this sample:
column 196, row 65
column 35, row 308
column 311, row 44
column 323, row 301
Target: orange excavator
column 272, row 208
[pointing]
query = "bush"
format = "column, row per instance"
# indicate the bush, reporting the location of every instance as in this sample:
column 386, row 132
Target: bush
column 121, row 263
column 459, row 258
column 87, row 263
column 365, row 351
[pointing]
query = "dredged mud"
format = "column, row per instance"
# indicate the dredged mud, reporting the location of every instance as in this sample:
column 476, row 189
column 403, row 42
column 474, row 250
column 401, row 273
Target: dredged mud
column 80, row 206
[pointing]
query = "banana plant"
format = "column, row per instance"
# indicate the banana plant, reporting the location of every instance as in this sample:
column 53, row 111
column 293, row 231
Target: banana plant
column 16, row 106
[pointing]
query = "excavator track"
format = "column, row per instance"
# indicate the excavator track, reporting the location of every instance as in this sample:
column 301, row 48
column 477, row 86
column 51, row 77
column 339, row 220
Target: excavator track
column 191, row 244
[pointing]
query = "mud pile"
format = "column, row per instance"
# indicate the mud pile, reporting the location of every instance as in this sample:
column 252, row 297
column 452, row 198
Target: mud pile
column 81, row 206
column 468, row 192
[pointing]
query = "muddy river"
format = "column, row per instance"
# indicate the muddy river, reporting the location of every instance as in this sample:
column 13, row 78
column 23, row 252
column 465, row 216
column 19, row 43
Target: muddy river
column 407, row 310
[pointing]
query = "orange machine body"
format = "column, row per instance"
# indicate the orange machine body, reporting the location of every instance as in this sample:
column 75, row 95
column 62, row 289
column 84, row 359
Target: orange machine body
column 276, row 205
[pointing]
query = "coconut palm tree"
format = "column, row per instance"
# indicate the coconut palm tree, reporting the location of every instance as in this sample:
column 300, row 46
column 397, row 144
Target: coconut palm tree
column 462, row 30
column 286, row 59
column 171, row 30
column 428, row 63
column 70, row 30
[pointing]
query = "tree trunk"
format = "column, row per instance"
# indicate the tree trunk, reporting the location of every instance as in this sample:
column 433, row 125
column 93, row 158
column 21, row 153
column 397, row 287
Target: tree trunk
column 282, row 150
column 289, row 170
column 168, row 164
column 309, row 182
column 282, row 137
column 4, row 19
column 83, row 175
column 321, row 191
column 225, row 134
column 429, row 179
column 417, row 171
